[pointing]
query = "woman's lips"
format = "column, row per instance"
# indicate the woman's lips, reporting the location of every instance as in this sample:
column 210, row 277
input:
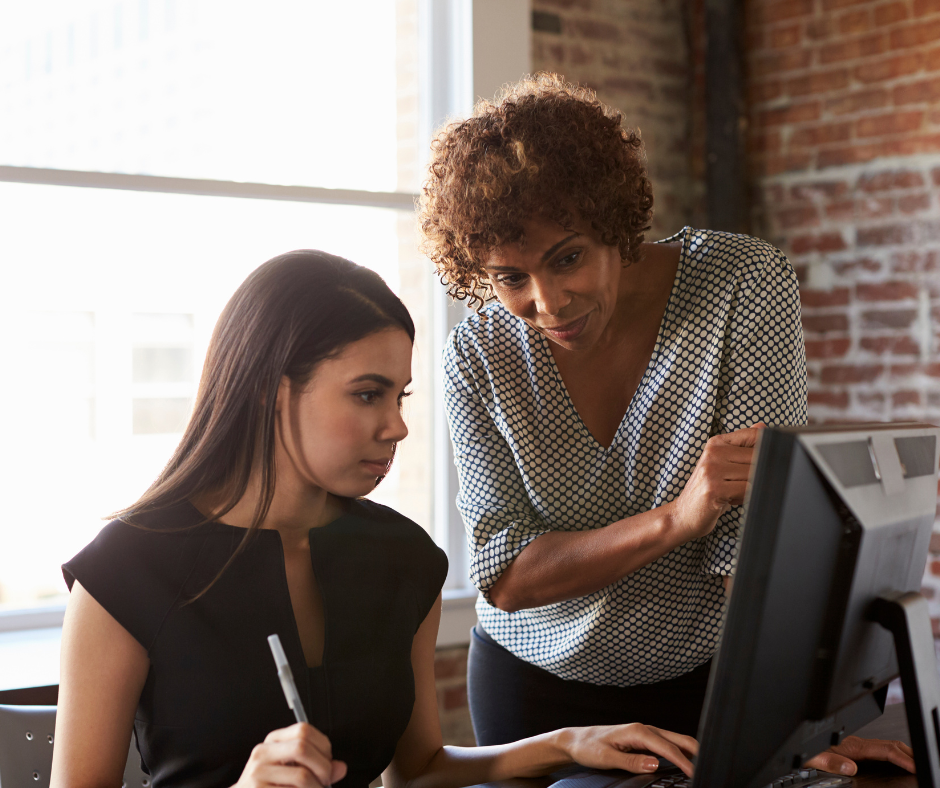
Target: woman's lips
column 377, row 467
column 568, row 331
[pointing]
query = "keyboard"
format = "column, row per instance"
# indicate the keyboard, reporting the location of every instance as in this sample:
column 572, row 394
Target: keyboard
column 673, row 778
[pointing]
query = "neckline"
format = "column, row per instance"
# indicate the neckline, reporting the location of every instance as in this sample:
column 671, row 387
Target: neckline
column 683, row 236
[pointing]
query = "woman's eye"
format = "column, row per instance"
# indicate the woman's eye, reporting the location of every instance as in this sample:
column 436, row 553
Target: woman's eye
column 569, row 259
column 369, row 397
column 509, row 280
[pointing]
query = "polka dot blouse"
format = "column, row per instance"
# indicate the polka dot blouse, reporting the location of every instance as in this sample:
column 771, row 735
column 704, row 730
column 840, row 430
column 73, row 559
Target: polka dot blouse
column 729, row 353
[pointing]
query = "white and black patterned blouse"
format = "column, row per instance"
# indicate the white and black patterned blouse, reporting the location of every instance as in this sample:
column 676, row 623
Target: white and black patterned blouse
column 729, row 353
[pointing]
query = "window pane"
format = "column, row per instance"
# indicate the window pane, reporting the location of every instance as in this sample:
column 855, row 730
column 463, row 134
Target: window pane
column 204, row 89
column 109, row 298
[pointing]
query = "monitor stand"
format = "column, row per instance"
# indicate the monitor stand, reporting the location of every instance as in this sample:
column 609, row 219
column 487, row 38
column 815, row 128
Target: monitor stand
column 906, row 617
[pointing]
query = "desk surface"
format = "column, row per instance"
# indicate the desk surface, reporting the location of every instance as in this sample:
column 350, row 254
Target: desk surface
column 891, row 725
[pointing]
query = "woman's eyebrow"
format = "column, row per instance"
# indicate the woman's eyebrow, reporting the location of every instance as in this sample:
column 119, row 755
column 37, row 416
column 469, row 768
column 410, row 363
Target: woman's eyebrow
column 558, row 246
column 376, row 378
column 545, row 256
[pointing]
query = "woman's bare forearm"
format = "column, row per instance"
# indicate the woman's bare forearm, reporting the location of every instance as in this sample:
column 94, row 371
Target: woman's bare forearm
column 562, row 565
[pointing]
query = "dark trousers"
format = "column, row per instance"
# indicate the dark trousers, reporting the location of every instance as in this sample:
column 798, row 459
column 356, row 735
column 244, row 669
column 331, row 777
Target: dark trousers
column 511, row 699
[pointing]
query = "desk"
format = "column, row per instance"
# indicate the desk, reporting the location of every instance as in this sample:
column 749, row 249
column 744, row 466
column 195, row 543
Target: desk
column 890, row 725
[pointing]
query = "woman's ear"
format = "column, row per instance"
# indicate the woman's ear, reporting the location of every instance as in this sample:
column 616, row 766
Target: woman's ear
column 283, row 393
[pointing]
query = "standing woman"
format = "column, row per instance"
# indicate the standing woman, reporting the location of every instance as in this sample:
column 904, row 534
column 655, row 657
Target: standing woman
column 603, row 411
column 257, row 526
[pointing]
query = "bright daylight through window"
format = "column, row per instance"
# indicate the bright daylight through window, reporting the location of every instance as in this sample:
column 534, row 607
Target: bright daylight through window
column 110, row 295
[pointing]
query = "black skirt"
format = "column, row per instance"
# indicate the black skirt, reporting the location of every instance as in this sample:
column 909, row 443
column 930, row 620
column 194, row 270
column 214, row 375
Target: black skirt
column 511, row 699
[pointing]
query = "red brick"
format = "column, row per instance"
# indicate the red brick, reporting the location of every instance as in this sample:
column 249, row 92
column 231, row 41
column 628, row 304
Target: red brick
column 761, row 14
column 889, row 68
column 816, row 190
column 885, row 235
column 765, row 142
column 907, row 370
column 874, row 208
column 912, row 203
column 855, row 22
column 925, row 90
column 893, row 123
column 871, row 398
column 935, row 176
column 841, row 211
column 832, row 399
column 932, row 59
column 895, row 346
column 858, row 101
column 814, row 136
column 799, row 216
column 821, row 324
column 790, row 162
column 819, row 298
column 818, row 82
column 784, row 36
column 885, row 291
column 455, row 698
column 856, row 373
column 926, row 7
column 916, row 35
column 793, row 113
column 832, row 5
column 823, row 242
column 890, row 13
column 935, row 543
column 821, row 27
column 827, row 348
column 854, row 267
column 594, row 30
column 911, row 262
column 889, row 318
column 760, row 92
column 775, row 63
column 902, row 398
column 842, row 155
column 855, row 48
column 890, row 179
column 927, row 592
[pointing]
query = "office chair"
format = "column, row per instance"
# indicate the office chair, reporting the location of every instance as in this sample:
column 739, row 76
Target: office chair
column 26, row 737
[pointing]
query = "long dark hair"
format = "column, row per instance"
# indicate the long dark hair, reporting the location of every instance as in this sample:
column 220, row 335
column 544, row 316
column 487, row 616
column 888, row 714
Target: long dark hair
column 290, row 314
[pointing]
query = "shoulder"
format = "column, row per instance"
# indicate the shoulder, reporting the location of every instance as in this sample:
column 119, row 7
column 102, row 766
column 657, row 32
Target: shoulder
column 391, row 530
column 734, row 252
column 480, row 332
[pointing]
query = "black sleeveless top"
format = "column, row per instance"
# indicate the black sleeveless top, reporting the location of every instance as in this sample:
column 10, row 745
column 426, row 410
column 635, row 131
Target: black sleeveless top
column 212, row 692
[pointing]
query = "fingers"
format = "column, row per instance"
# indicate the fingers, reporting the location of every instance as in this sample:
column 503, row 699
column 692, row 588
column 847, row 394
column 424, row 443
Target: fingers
column 895, row 752
column 687, row 744
column 302, row 750
column 833, row 763
column 647, row 738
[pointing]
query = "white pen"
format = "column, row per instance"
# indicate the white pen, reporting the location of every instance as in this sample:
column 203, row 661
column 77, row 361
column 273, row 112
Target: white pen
column 287, row 678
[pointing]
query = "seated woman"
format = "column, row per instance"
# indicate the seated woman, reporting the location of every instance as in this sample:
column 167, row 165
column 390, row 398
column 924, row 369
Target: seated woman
column 603, row 412
column 257, row 526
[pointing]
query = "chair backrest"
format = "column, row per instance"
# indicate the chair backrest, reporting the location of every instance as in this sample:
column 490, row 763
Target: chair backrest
column 27, row 734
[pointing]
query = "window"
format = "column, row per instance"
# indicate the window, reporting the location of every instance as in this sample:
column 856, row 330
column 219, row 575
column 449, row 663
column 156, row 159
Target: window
column 160, row 150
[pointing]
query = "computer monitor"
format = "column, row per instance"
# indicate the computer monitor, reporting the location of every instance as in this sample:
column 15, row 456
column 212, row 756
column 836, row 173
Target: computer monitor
column 835, row 539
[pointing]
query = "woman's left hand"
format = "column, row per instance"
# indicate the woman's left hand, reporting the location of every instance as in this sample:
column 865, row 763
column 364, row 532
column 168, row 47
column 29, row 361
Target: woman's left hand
column 628, row 747
column 841, row 758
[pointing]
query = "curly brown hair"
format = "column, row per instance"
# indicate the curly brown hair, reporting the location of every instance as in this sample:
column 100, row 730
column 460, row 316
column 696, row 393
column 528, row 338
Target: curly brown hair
column 545, row 149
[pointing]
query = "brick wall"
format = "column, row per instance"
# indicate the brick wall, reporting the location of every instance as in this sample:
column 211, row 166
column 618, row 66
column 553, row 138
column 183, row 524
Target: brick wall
column 634, row 53
column 844, row 153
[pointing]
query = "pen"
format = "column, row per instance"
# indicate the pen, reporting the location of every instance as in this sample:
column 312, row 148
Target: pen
column 287, row 679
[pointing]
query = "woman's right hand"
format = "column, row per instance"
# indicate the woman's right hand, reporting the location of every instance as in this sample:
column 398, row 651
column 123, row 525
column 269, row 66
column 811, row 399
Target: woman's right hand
column 298, row 756
column 718, row 482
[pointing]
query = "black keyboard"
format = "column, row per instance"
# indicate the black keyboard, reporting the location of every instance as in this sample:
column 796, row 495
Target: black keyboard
column 674, row 778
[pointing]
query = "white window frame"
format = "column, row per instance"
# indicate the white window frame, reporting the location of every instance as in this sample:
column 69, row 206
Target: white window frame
column 468, row 49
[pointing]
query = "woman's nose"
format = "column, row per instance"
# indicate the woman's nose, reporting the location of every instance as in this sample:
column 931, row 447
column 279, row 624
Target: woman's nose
column 396, row 429
column 549, row 298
